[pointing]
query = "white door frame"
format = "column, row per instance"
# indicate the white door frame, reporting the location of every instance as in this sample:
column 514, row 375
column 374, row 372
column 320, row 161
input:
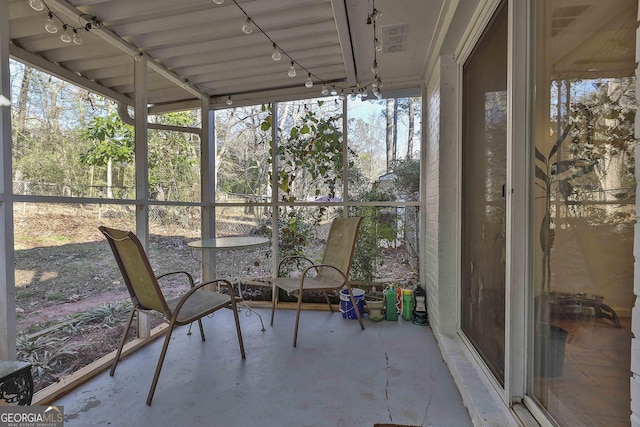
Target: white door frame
column 518, row 188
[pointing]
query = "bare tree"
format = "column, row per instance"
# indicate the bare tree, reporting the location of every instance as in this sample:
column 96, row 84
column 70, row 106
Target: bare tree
column 392, row 131
column 411, row 102
column 22, row 102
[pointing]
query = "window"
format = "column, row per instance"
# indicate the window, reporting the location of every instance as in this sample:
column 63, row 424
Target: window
column 584, row 210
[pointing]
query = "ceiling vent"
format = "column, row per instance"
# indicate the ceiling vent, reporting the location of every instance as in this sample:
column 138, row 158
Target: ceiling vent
column 394, row 37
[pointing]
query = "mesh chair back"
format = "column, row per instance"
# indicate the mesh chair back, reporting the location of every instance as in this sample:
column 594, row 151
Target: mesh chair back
column 136, row 270
column 339, row 248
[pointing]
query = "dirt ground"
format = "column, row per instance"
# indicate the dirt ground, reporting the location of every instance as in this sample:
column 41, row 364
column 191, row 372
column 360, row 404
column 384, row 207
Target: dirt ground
column 65, row 267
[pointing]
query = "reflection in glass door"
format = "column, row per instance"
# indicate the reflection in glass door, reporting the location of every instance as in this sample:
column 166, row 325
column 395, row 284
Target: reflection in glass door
column 584, row 210
column 483, row 200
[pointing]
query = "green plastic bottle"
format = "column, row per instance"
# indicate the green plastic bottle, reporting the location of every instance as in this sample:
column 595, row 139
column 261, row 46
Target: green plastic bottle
column 390, row 298
column 407, row 304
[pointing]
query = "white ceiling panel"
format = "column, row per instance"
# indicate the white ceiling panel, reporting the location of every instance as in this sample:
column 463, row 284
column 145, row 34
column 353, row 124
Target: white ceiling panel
column 200, row 43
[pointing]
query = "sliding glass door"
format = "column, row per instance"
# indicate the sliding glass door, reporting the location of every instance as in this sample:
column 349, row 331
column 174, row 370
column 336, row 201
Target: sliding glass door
column 584, row 210
column 484, row 153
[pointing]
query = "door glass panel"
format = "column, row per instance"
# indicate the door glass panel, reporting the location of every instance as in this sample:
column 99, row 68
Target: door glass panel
column 584, row 210
column 483, row 202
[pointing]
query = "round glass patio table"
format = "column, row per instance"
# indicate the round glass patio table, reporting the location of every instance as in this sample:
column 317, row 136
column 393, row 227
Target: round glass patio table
column 233, row 245
column 229, row 243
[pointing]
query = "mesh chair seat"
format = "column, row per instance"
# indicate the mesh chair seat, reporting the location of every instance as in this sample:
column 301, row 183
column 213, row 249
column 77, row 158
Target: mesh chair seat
column 200, row 304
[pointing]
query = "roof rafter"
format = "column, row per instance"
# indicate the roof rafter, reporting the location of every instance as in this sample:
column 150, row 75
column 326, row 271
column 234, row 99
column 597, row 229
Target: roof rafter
column 70, row 12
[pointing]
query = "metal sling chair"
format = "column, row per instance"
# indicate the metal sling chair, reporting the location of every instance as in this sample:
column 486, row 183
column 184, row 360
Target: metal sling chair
column 147, row 296
column 332, row 274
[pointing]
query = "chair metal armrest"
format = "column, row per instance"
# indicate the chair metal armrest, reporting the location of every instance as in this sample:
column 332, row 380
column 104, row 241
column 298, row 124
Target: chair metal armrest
column 224, row 283
column 191, row 282
column 292, row 258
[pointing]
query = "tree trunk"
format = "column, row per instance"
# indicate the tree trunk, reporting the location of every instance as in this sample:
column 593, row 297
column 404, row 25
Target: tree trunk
column 54, row 109
column 411, row 129
column 394, row 157
column 221, row 152
column 109, row 178
column 610, row 174
column 23, row 100
column 391, row 134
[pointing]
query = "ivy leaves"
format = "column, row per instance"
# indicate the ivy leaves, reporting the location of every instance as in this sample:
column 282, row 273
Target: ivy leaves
column 310, row 152
column 113, row 140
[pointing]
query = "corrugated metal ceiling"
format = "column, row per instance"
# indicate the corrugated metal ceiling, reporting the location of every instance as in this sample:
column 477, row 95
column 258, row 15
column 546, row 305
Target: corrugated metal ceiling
column 197, row 49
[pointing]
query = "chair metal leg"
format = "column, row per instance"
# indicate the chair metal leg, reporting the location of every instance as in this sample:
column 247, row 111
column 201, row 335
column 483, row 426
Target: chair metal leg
column 163, row 353
column 274, row 299
column 295, row 333
column 326, row 297
column 201, row 329
column 234, row 308
column 121, row 345
column 355, row 307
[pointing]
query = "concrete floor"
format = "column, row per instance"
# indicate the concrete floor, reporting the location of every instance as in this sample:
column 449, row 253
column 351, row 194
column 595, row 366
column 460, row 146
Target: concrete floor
column 339, row 375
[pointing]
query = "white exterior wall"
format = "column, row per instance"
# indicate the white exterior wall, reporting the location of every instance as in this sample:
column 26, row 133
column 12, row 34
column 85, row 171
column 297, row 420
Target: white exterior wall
column 431, row 119
column 448, row 197
column 441, row 198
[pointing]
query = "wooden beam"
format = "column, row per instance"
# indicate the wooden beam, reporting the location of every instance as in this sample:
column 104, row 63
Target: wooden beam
column 344, row 34
column 306, row 306
column 50, row 394
column 64, row 74
column 114, row 40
